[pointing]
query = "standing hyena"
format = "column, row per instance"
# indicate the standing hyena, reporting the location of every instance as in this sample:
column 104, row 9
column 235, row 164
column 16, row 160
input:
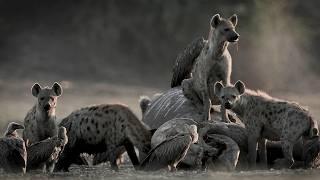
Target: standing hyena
column 40, row 122
column 267, row 118
column 104, row 128
column 212, row 65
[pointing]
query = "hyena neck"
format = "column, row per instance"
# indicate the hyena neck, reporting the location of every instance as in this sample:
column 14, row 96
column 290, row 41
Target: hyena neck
column 247, row 101
column 213, row 52
column 217, row 45
column 252, row 100
column 43, row 116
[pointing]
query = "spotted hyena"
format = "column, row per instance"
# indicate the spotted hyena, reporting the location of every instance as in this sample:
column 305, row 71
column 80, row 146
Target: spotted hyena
column 144, row 102
column 40, row 121
column 104, row 128
column 266, row 117
column 212, row 65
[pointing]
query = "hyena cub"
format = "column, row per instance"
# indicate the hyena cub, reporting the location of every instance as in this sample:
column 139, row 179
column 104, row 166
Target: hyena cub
column 267, row 118
column 40, row 121
column 104, row 128
column 212, row 65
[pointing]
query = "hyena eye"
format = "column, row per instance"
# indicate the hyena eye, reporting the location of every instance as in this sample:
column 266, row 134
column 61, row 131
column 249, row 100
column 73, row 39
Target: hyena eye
column 222, row 97
column 233, row 96
column 51, row 98
column 226, row 29
column 42, row 98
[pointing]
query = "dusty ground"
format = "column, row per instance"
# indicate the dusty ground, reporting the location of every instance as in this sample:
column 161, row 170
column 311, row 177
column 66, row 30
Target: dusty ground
column 16, row 100
column 127, row 172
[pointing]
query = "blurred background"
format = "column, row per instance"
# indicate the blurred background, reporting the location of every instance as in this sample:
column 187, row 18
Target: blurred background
column 107, row 51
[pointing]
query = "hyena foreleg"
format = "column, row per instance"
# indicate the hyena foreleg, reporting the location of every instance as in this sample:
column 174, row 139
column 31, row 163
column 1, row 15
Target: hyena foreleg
column 191, row 94
column 262, row 152
column 224, row 113
column 252, row 148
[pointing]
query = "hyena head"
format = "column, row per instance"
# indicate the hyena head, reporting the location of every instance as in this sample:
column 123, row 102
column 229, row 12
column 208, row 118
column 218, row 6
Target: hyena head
column 225, row 28
column 229, row 96
column 47, row 98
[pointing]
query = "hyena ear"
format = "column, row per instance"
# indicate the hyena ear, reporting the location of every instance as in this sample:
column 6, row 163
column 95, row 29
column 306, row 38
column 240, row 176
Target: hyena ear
column 239, row 85
column 215, row 20
column 57, row 89
column 35, row 90
column 217, row 88
column 234, row 20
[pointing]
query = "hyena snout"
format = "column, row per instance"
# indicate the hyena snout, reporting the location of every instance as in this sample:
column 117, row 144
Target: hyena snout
column 47, row 107
column 234, row 37
column 227, row 105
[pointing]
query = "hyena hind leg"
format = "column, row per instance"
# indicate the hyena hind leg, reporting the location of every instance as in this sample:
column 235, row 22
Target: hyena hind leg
column 132, row 154
column 287, row 149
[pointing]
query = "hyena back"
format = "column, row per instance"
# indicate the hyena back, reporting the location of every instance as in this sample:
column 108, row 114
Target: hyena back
column 40, row 121
column 267, row 118
column 104, row 128
column 212, row 65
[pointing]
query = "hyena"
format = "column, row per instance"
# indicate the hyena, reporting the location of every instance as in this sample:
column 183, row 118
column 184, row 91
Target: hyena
column 144, row 102
column 212, row 65
column 40, row 121
column 267, row 118
column 104, row 128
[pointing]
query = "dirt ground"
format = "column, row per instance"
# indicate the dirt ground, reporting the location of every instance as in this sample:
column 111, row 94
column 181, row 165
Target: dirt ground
column 127, row 172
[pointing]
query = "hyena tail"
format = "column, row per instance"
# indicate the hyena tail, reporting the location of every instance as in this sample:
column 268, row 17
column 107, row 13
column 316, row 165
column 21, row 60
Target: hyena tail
column 314, row 129
column 144, row 102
